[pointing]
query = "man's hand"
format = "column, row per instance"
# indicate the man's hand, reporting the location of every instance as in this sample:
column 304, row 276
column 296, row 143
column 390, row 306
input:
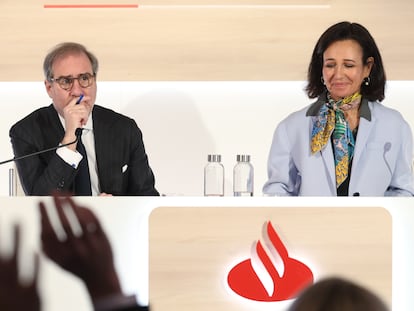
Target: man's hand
column 88, row 255
column 76, row 116
column 14, row 295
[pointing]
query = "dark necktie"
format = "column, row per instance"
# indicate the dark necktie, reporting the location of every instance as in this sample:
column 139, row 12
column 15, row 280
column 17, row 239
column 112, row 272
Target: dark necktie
column 82, row 178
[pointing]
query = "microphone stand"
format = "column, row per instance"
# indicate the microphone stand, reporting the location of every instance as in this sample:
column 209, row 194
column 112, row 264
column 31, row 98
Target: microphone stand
column 78, row 133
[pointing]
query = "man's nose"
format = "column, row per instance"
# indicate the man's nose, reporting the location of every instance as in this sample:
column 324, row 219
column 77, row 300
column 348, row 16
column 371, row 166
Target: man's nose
column 76, row 89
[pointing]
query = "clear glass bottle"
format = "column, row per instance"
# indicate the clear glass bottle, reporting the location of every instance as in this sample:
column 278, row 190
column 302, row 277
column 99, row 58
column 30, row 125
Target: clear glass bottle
column 214, row 176
column 243, row 176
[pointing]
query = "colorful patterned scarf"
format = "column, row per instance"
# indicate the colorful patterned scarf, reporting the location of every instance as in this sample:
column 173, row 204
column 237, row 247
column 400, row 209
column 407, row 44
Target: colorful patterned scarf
column 331, row 121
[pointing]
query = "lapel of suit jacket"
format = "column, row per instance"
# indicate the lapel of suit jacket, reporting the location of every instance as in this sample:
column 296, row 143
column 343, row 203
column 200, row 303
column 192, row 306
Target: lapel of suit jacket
column 54, row 130
column 99, row 143
column 364, row 131
column 103, row 149
column 366, row 124
column 329, row 163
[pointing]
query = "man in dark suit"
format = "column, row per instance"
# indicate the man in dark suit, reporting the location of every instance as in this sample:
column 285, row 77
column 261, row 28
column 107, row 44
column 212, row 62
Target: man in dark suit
column 115, row 162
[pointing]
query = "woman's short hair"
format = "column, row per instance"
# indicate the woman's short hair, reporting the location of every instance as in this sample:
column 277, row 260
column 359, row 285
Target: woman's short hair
column 347, row 31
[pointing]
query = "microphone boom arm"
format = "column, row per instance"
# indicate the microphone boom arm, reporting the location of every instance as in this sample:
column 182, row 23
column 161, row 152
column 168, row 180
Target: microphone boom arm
column 78, row 133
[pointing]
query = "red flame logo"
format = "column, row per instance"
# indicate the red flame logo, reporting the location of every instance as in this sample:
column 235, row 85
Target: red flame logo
column 273, row 277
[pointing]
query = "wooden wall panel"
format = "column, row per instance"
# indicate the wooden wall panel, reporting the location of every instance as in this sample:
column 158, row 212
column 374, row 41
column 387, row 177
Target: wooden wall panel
column 192, row 249
column 198, row 39
column 233, row 2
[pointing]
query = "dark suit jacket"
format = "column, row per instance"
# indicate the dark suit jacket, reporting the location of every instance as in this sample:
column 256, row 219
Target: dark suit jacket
column 118, row 142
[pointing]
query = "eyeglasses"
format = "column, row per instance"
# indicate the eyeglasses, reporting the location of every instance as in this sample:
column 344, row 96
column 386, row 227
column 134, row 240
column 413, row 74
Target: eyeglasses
column 66, row 83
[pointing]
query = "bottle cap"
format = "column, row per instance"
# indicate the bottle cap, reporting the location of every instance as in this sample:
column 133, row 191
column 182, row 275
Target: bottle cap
column 214, row 158
column 243, row 158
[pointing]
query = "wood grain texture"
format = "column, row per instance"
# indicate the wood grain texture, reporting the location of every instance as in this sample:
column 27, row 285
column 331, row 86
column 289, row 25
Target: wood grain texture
column 193, row 248
column 198, row 40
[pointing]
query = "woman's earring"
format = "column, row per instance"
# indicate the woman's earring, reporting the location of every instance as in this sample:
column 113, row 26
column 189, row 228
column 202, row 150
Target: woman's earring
column 367, row 81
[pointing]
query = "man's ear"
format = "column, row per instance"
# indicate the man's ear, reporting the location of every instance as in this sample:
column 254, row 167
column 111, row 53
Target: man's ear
column 48, row 87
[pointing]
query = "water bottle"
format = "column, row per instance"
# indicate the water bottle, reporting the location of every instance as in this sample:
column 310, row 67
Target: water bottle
column 243, row 176
column 214, row 176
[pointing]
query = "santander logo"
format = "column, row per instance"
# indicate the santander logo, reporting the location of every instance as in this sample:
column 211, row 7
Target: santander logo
column 269, row 275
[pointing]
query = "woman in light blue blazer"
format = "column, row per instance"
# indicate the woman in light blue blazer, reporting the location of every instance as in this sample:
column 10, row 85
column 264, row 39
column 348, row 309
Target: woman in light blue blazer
column 346, row 143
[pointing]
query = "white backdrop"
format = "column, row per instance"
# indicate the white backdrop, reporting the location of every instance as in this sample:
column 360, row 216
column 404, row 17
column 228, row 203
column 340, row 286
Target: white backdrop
column 182, row 122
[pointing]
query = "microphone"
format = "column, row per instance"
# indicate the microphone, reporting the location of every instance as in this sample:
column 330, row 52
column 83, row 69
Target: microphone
column 78, row 134
column 387, row 147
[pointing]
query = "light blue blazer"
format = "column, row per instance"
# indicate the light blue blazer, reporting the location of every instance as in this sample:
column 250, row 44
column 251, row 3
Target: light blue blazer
column 382, row 163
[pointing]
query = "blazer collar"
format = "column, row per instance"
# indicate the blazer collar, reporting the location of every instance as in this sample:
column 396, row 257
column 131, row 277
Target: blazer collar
column 364, row 130
column 314, row 108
